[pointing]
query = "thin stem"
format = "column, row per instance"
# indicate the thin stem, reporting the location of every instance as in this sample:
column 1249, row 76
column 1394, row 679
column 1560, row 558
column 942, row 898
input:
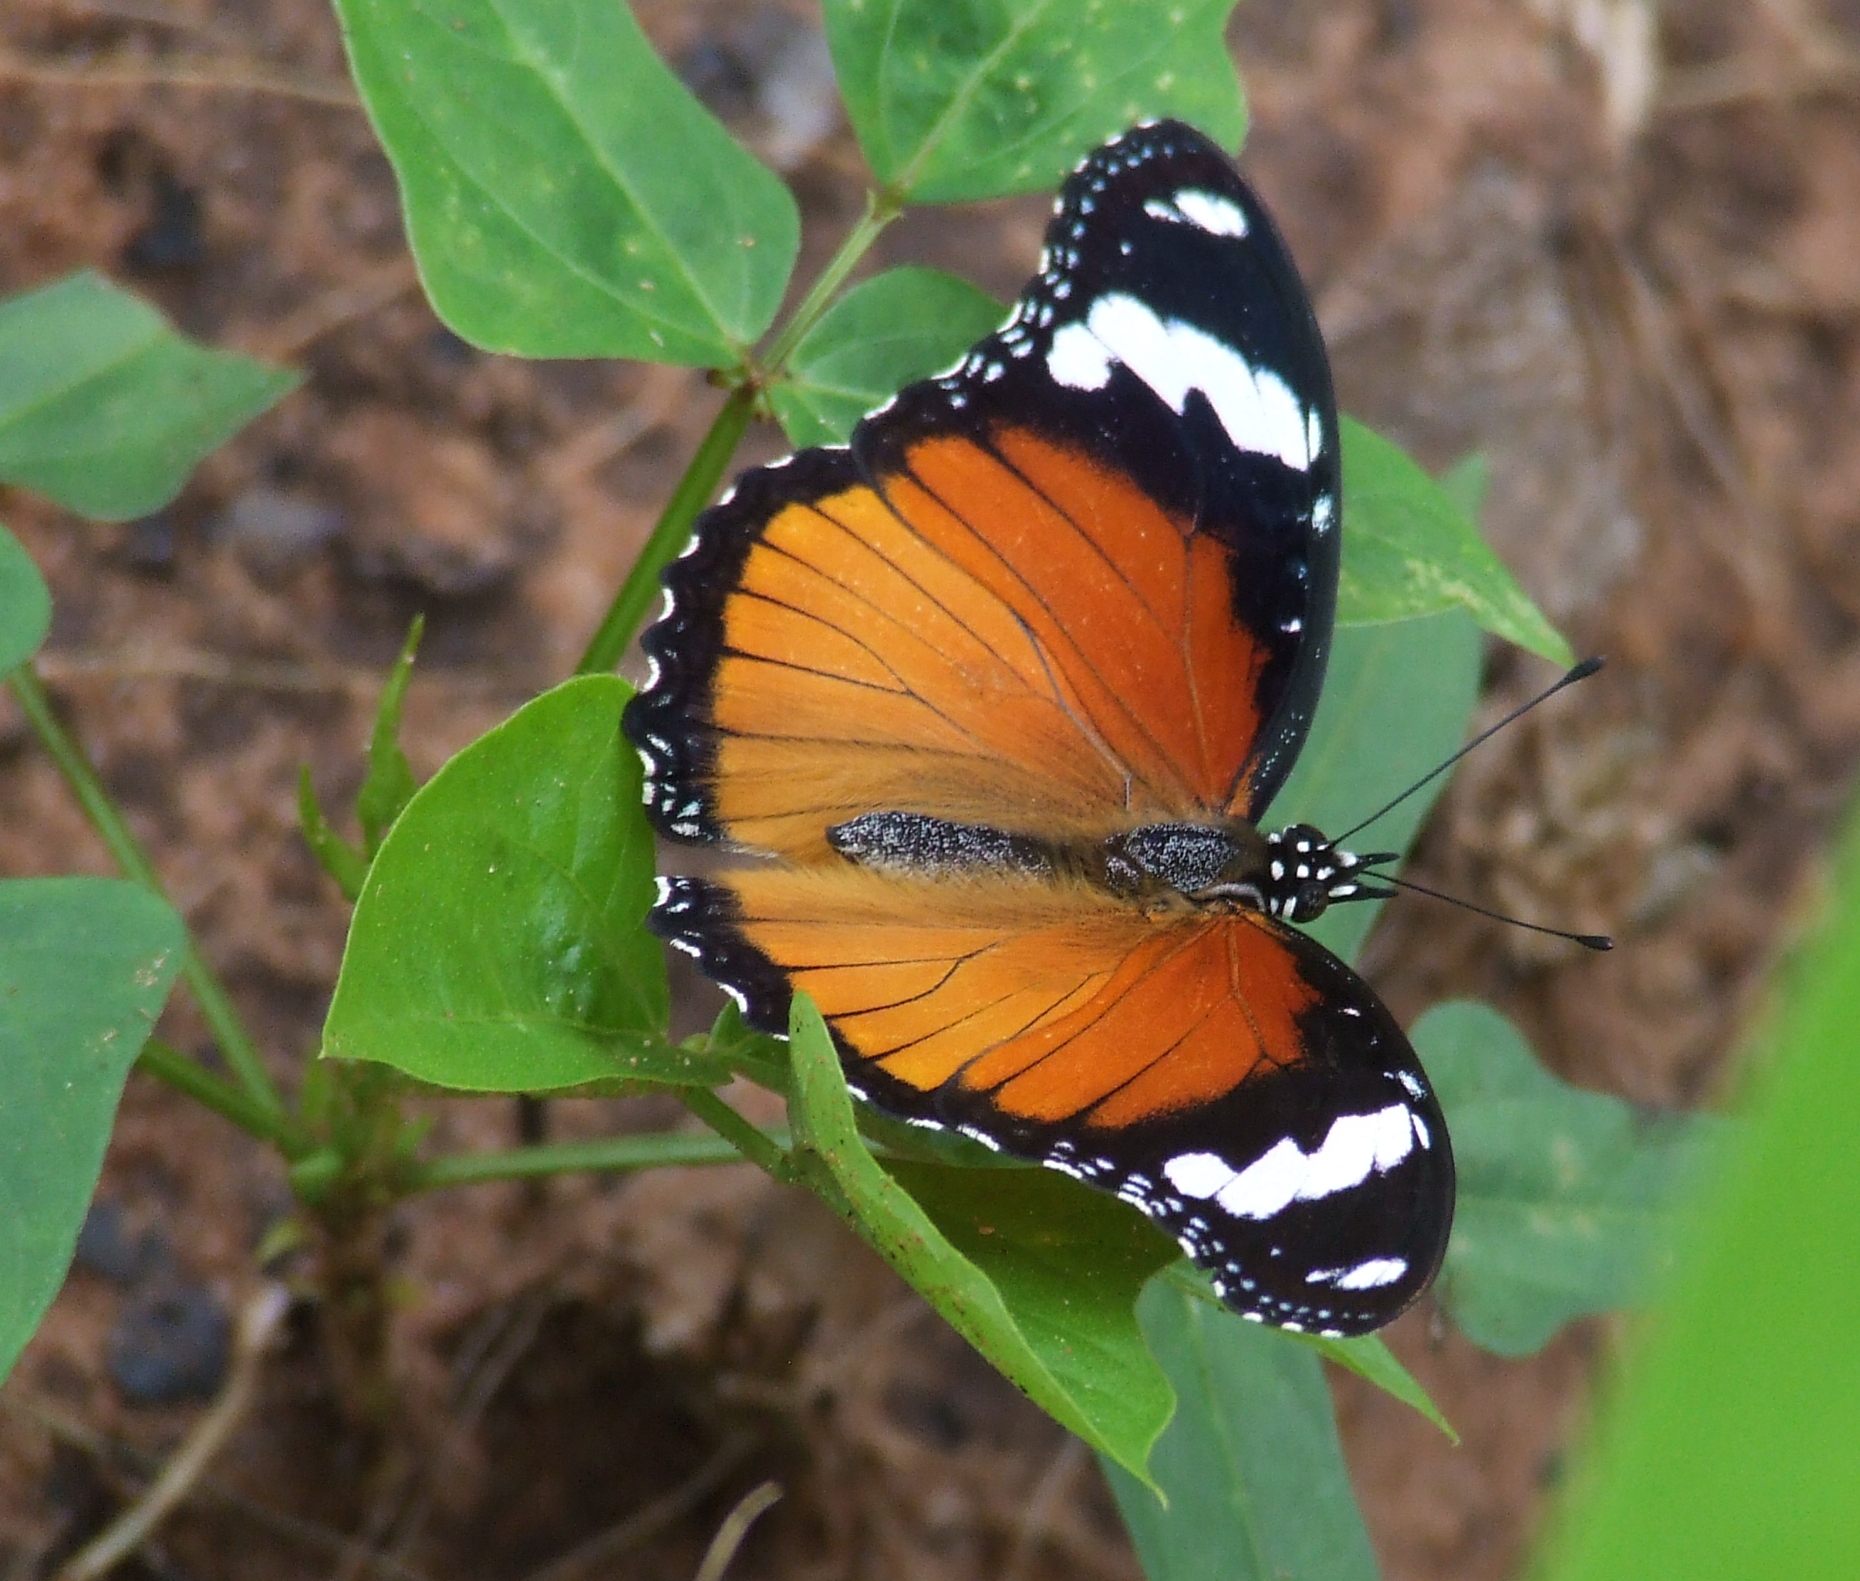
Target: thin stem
column 768, row 1153
column 216, row 1008
column 881, row 208
column 168, row 1064
column 668, row 536
column 653, row 1151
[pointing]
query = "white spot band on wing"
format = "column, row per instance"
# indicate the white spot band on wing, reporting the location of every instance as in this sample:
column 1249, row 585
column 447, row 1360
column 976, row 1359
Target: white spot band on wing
column 1255, row 406
column 1355, row 1145
column 1208, row 210
column 1370, row 1275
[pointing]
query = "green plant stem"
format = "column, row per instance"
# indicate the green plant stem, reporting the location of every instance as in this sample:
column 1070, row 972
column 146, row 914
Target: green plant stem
column 653, row 1151
column 216, row 1008
column 766, row 1152
column 168, row 1064
column 668, row 535
column 881, row 208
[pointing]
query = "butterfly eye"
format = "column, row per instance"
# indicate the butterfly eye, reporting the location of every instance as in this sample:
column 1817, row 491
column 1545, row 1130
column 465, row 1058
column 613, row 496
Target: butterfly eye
column 1310, row 899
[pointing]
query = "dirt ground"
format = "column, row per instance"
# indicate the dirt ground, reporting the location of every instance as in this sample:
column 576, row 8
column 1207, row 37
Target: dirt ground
column 1621, row 259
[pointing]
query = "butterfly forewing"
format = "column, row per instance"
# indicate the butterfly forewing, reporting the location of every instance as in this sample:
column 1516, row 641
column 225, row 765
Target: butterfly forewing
column 1080, row 585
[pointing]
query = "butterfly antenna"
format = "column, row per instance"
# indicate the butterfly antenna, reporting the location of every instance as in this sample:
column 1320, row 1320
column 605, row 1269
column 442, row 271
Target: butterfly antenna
column 1589, row 941
column 1580, row 673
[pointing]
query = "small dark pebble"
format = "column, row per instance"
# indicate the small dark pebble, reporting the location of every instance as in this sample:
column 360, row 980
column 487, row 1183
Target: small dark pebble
column 106, row 1248
column 148, row 544
column 272, row 530
column 452, row 349
column 171, row 238
column 171, row 1342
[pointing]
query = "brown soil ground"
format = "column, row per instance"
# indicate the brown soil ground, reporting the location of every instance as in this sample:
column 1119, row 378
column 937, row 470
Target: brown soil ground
column 1639, row 295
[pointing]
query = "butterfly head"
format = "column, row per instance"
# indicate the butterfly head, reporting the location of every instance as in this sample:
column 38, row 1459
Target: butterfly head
column 1305, row 873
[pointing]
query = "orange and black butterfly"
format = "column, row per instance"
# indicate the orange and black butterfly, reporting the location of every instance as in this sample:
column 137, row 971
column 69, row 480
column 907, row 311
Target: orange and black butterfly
column 997, row 695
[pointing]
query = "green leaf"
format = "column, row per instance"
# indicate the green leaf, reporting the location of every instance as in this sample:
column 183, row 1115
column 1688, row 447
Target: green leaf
column 1465, row 484
column 955, row 100
column 1566, row 1198
column 1250, row 1466
column 498, row 942
column 1049, row 1304
column 1408, row 549
column 762, row 1057
column 1370, row 1359
column 85, row 966
column 333, row 854
column 885, row 333
column 565, row 195
column 1728, row 1454
column 389, row 784
column 106, row 409
column 25, row 605
column 1395, row 705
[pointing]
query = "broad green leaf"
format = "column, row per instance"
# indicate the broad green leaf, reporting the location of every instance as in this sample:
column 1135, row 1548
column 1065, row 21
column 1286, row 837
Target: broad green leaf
column 389, row 784
column 565, row 195
column 1369, row 1358
column 498, row 942
column 1465, row 483
column 1050, row 1319
column 1408, row 549
column 1395, row 704
column 1728, row 1453
column 1069, row 1263
column 1250, row 1465
column 955, row 100
column 886, row 332
column 1566, row 1198
column 85, row 966
column 105, row 408
column 25, row 605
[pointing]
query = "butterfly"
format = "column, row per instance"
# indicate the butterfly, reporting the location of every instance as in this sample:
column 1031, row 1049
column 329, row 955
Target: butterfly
column 993, row 700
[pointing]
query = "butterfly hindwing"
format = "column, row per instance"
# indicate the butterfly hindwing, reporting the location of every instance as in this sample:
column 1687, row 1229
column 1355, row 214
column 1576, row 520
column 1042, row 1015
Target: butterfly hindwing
column 1224, row 1074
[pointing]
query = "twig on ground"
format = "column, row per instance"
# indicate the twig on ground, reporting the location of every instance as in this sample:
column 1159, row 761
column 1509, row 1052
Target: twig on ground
column 734, row 1529
column 291, row 335
column 1037, row 1514
column 134, row 1526
column 107, row 1452
column 223, row 75
column 147, row 661
column 395, row 1523
column 648, row 1520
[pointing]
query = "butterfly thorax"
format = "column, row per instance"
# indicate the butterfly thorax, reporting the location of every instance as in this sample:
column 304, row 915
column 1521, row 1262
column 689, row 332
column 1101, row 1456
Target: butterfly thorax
column 1293, row 873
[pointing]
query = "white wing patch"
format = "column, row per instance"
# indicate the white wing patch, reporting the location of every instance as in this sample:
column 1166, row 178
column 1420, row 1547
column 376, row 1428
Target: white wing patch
column 1255, row 406
column 1355, row 1145
column 1207, row 210
column 1370, row 1275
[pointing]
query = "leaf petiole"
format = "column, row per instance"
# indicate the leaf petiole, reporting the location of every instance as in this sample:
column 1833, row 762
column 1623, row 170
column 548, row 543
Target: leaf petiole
column 612, row 1153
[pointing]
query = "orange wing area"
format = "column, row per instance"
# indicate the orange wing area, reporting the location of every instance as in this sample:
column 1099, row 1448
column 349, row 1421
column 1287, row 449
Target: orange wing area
column 1052, row 1002
column 1013, row 637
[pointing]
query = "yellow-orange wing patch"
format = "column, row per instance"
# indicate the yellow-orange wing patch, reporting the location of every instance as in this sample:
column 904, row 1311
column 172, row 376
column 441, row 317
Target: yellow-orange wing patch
column 1046, row 1003
column 1007, row 635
